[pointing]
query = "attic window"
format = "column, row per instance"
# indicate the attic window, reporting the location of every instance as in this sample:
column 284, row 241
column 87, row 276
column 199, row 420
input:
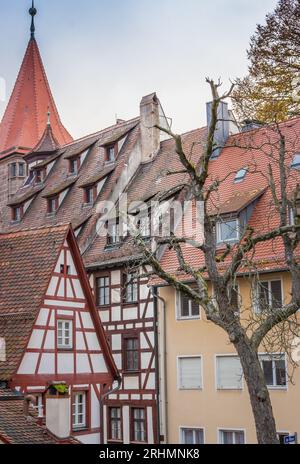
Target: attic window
column 90, row 193
column 53, row 204
column 240, row 175
column 228, row 231
column 113, row 233
column 65, row 269
column 17, row 213
column 2, row 349
column 111, row 152
column 74, row 165
column 39, row 176
column 296, row 162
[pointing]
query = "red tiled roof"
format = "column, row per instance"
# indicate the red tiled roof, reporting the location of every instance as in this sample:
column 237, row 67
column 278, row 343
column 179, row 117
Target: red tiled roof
column 255, row 150
column 16, row 428
column 25, row 118
column 27, row 259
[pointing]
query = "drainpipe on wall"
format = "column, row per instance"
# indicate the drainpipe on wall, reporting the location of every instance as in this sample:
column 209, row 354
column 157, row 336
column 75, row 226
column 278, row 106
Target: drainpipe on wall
column 157, row 365
column 102, row 398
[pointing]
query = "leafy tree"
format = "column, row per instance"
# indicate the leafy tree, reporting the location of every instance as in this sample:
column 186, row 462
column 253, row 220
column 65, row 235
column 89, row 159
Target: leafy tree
column 270, row 92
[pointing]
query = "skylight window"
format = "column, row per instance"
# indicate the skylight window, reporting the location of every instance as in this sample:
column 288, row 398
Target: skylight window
column 240, row 175
column 296, row 161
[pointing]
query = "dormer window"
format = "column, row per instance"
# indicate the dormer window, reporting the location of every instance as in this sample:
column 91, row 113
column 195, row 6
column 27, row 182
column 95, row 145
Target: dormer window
column 53, row 203
column 227, row 231
column 113, row 233
column 240, row 175
column 111, row 152
column 90, row 195
column 294, row 212
column 17, row 213
column 39, row 176
column 17, row 170
column 296, row 162
column 74, row 165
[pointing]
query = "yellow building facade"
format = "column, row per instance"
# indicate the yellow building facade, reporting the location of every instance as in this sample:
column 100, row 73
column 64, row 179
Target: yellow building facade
column 202, row 397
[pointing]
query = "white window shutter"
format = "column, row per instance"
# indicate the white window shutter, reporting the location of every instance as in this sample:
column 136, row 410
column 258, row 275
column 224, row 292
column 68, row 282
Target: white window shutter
column 229, row 372
column 190, row 376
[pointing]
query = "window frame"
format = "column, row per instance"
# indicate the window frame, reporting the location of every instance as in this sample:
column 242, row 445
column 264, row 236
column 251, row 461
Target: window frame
column 114, row 239
column 255, row 296
column 98, row 277
column 296, row 165
column 179, row 385
column 178, row 308
column 233, row 388
column 125, row 286
column 240, row 175
column 233, row 430
column 132, row 421
column 75, row 161
column 13, row 170
column 14, row 217
column 219, row 239
column 86, row 403
column 71, row 345
column 194, row 429
column 108, row 148
column 89, row 190
column 125, row 338
column 275, row 387
column 50, row 200
column 109, row 423
column 23, row 169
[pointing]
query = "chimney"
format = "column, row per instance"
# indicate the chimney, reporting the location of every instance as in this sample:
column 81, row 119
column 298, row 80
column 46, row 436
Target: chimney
column 150, row 135
column 222, row 127
column 28, row 400
column 58, row 409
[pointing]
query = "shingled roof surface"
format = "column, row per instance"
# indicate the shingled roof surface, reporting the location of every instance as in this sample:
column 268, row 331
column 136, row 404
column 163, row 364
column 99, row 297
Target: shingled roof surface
column 17, row 429
column 255, row 150
column 94, row 168
column 27, row 259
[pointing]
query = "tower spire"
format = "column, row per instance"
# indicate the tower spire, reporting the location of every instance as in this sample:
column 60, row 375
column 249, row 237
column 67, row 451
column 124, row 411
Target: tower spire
column 32, row 12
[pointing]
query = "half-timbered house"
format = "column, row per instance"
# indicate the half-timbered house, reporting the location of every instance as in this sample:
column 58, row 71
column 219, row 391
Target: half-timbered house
column 49, row 327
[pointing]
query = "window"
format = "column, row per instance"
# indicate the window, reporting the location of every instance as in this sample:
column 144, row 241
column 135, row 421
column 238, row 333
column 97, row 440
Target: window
column 102, row 291
column 39, row 176
column 74, row 165
column 64, row 334
column 79, row 410
column 65, row 269
column 22, row 171
column 138, row 425
column 39, row 404
column 130, row 288
column 232, row 437
column 144, row 224
column 192, row 436
column 295, row 211
column 274, row 368
column 53, row 204
column 17, row 213
column 110, row 153
column 89, row 195
column 190, row 373
column 296, row 161
column 228, row 231
column 240, row 175
column 13, row 170
column 186, row 307
column 268, row 295
column 229, row 373
column 113, row 236
column 131, row 354
column 115, row 424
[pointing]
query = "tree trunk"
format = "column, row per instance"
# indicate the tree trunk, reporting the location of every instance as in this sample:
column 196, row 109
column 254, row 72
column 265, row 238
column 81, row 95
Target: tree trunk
column 259, row 394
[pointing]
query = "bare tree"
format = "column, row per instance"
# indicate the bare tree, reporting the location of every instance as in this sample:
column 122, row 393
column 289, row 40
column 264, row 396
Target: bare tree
column 272, row 326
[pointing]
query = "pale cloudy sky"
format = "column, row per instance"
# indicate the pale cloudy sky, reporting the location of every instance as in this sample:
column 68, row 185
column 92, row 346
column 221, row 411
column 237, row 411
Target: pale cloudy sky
column 102, row 56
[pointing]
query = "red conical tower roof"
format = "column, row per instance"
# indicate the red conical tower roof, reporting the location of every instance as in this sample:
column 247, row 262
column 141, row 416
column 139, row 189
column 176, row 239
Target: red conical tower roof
column 25, row 118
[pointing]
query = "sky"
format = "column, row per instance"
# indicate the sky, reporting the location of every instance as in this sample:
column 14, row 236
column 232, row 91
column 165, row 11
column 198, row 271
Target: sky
column 102, row 56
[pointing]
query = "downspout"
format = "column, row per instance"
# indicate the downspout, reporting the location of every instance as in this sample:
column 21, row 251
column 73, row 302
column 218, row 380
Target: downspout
column 102, row 398
column 157, row 364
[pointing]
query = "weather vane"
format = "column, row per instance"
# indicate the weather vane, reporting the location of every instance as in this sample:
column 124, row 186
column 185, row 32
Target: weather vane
column 32, row 12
